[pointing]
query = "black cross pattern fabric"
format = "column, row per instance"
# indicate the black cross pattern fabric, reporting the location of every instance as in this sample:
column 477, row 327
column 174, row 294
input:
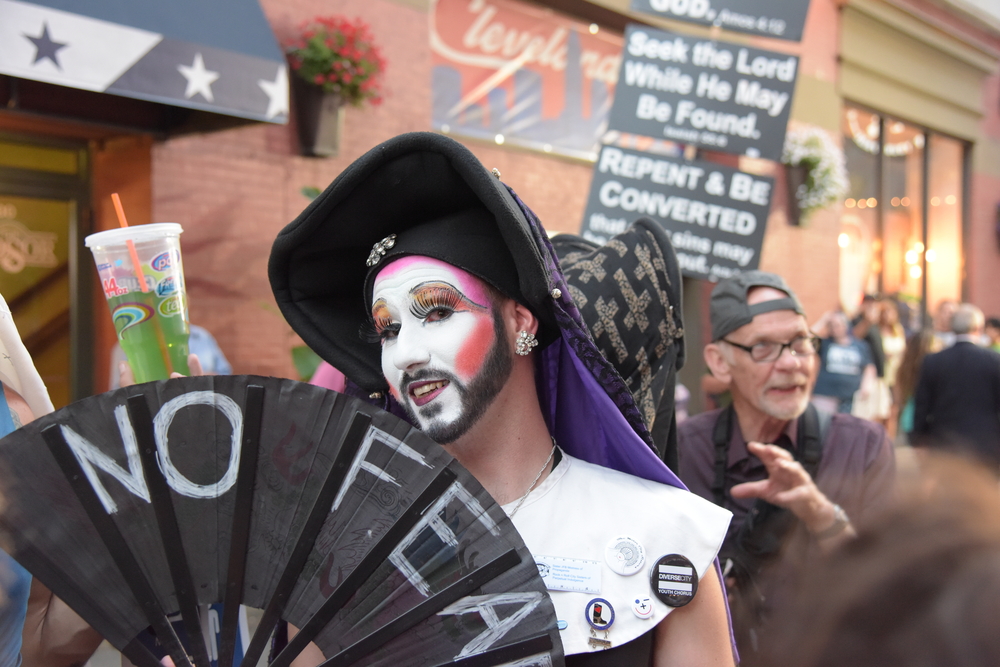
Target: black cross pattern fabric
column 318, row 508
column 629, row 294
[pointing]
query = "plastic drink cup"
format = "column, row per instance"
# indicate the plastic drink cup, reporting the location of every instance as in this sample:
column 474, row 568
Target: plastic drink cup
column 152, row 326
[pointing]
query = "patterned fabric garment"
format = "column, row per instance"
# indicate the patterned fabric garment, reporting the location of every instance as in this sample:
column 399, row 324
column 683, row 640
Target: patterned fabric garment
column 629, row 294
column 577, row 336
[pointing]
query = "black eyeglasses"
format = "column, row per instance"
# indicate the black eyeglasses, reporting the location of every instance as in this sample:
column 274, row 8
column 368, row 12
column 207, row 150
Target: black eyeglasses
column 766, row 352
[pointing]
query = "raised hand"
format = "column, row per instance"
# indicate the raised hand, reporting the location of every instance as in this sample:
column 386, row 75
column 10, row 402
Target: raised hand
column 788, row 485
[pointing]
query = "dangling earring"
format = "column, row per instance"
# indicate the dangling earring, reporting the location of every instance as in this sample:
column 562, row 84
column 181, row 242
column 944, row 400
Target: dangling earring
column 525, row 341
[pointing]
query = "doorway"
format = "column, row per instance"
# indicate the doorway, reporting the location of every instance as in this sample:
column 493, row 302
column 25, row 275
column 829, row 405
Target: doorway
column 43, row 217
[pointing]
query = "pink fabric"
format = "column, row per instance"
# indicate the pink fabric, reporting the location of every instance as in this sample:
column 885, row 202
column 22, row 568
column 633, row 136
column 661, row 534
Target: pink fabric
column 328, row 377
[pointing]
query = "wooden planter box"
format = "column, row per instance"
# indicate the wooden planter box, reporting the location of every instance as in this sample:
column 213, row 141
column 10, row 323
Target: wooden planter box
column 794, row 177
column 319, row 117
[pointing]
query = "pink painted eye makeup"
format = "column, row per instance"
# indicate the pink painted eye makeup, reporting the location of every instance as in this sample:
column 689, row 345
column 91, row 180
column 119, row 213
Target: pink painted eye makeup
column 431, row 296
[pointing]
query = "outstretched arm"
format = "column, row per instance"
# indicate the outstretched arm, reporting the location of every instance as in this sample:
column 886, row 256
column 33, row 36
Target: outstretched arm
column 821, row 327
column 54, row 635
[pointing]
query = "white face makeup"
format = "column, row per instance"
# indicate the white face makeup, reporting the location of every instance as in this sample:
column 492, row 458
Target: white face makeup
column 443, row 354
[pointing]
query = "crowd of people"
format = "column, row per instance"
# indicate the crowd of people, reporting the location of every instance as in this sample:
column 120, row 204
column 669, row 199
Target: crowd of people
column 785, row 504
column 870, row 363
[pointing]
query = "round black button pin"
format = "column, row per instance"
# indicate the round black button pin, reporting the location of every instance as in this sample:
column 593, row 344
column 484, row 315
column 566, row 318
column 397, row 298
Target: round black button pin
column 673, row 580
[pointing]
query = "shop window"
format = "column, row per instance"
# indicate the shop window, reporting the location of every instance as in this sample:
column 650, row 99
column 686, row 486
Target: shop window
column 944, row 260
column 39, row 204
column 901, row 222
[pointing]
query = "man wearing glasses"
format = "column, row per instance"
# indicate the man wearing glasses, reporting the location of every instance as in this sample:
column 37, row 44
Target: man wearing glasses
column 793, row 476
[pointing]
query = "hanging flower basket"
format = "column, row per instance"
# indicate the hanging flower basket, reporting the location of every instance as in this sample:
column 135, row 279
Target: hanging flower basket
column 334, row 62
column 319, row 118
column 815, row 170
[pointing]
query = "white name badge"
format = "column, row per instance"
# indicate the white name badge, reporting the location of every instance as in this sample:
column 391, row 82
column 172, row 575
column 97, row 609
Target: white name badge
column 570, row 574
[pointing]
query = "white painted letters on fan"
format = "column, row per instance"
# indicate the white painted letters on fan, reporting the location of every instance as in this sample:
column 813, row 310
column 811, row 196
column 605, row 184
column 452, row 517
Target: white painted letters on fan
column 161, row 424
column 432, row 519
column 89, row 456
column 359, row 463
column 496, row 627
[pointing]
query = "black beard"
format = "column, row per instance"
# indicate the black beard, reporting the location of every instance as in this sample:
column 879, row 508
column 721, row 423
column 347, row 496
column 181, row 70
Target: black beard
column 476, row 397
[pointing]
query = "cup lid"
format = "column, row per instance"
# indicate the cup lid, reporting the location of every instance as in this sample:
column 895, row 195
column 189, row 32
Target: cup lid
column 154, row 230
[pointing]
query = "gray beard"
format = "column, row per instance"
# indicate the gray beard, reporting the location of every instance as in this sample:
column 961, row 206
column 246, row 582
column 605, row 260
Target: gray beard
column 476, row 397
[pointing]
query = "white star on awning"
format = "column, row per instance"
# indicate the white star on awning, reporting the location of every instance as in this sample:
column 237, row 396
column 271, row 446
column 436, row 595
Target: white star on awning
column 199, row 79
column 277, row 93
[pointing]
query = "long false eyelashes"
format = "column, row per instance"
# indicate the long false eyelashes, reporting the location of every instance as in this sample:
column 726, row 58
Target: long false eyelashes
column 381, row 323
column 428, row 297
column 369, row 334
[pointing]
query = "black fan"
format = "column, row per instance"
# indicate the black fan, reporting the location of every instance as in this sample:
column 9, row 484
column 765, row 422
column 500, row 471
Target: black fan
column 315, row 507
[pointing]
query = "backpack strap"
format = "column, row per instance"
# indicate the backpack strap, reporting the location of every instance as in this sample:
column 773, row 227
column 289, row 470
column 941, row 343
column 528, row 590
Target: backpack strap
column 722, row 433
column 812, row 429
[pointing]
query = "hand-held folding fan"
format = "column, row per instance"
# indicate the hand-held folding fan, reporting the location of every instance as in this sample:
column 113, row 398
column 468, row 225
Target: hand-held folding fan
column 315, row 507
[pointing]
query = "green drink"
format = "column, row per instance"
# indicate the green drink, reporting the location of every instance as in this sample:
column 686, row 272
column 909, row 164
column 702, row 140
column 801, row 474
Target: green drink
column 155, row 346
column 152, row 325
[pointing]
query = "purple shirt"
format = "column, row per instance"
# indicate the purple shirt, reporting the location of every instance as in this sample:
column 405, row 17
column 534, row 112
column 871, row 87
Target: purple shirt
column 856, row 471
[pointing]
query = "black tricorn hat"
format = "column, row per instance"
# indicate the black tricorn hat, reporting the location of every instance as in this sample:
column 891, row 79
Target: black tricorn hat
column 438, row 200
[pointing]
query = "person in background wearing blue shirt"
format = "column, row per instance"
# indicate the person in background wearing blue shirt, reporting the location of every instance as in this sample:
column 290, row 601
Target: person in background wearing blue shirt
column 201, row 344
column 53, row 635
column 845, row 365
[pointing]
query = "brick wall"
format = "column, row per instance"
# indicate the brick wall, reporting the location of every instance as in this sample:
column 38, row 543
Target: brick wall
column 234, row 190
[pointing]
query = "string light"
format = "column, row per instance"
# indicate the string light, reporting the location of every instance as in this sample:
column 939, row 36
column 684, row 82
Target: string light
column 843, row 240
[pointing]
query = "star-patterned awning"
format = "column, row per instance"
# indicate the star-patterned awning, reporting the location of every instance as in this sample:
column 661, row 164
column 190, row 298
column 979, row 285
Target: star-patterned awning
column 217, row 56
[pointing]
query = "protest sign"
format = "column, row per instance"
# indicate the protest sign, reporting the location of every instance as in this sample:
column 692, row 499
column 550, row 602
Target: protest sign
column 783, row 19
column 717, row 95
column 715, row 215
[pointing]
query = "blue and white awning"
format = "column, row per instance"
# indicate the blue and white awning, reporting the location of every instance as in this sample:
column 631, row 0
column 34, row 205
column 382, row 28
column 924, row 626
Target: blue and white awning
column 217, row 56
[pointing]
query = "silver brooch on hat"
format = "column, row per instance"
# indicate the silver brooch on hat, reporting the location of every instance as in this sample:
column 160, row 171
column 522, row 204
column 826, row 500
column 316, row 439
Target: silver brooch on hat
column 379, row 249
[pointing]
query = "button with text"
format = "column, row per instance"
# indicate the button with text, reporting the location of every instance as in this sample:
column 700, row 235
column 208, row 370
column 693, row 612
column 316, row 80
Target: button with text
column 674, row 580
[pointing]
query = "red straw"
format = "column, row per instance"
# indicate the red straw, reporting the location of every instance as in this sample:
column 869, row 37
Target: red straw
column 131, row 246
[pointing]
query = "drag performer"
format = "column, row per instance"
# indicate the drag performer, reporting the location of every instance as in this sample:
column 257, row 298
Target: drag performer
column 435, row 290
column 424, row 279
